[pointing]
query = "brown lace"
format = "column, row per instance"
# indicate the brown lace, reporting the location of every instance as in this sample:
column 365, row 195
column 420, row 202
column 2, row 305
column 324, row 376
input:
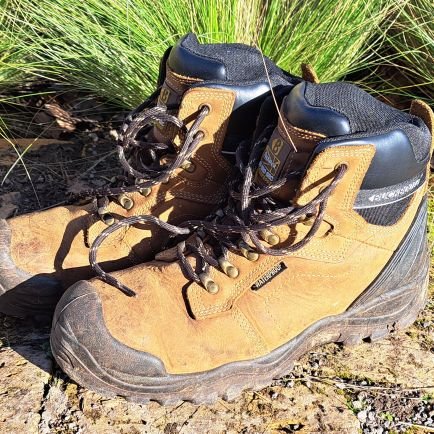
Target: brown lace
column 250, row 210
column 134, row 146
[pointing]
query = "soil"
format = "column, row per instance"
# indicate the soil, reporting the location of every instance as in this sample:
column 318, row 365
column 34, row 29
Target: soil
column 385, row 387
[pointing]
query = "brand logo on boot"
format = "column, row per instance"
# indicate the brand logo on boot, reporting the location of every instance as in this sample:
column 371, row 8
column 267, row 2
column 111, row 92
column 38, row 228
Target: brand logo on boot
column 164, row 96
column 396, row 193
column 270, row 161
column 269, row 275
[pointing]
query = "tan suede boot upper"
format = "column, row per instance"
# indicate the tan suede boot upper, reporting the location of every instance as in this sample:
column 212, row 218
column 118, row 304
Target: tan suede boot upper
column 355, row 269
column 198, row 101
column 58, row 239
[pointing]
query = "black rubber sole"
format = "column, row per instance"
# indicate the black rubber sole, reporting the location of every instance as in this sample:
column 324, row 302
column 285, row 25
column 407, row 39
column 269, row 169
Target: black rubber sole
column 391, row 303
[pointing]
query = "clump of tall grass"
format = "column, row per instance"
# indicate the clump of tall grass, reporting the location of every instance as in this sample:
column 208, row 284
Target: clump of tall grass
column 334, row 36
column 12, row 53
column 16, row 66
column 412, row 39
column 405, row 61
column 112, row 48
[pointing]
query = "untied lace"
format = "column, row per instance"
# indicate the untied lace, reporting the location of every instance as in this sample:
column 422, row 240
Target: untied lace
column 132, row 139
column 249, row 211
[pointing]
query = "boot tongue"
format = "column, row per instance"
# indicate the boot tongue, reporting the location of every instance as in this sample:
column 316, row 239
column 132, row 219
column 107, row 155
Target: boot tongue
column 177, row 76
column 187, row 64
column 300, row 128
column 236, row 67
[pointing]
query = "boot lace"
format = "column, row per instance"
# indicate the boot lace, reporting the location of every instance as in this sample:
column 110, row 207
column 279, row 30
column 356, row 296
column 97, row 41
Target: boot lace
column 241, row 227
column 155, row 162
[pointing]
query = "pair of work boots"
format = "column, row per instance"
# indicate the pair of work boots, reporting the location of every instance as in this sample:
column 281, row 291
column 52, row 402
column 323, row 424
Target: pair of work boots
column 245, row 235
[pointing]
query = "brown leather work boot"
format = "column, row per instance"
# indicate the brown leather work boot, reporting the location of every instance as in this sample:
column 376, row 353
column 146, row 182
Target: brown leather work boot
column 177, row 156
column 326, row 244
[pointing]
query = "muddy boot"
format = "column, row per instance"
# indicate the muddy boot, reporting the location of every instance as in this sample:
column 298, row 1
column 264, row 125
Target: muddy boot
column 326, row 244
column 176, row 149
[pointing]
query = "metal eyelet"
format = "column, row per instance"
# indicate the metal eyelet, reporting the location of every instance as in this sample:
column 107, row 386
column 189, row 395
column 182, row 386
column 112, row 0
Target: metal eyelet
column 269, row 237
column 108, row 219
column 339, row 165
column 208, row 283
column 307, row 220
column 188, row 166
column 205, row 106
column 228, row 268
column 200, row 133
column 145, row 191
column 248, row 252
column 125, row 201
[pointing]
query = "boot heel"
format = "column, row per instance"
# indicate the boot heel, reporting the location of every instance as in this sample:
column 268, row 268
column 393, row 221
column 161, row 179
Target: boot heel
column 395, row 299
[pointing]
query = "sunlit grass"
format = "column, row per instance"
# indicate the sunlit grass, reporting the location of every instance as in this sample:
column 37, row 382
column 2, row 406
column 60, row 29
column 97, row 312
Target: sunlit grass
column 405, row 61
column 335, row 37
column 112, row 48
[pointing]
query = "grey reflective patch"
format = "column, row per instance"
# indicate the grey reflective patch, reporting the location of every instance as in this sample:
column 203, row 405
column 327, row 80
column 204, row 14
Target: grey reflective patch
column 388, row 195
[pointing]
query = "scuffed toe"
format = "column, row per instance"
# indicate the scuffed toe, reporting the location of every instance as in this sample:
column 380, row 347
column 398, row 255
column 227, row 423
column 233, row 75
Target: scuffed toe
column 88, row 353
column 22, row 294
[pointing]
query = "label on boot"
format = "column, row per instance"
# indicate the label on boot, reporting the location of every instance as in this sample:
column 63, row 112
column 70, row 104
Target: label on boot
column 274, row 159
column 174, row 87
column 285, row 156
column 269, row 275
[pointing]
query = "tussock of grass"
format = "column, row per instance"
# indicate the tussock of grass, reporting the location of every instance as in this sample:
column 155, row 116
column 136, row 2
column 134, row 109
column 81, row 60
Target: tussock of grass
column 404, row 63
column 412, row 38
column 112, row 48
column 334, row 36
column 17, row 67
column 12, row 57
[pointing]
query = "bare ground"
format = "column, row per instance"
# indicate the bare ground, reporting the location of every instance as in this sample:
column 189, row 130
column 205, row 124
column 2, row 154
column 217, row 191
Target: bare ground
column 385, row 387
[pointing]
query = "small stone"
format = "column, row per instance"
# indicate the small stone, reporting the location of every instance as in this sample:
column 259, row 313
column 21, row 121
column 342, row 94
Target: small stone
column 358, row 405
column 114, row 134
column 94, row 137
column 274, row 394
column 362, row 416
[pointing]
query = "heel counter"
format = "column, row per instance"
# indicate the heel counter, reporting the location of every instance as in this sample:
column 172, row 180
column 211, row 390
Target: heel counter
column 423, row 111
column 408, row 267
